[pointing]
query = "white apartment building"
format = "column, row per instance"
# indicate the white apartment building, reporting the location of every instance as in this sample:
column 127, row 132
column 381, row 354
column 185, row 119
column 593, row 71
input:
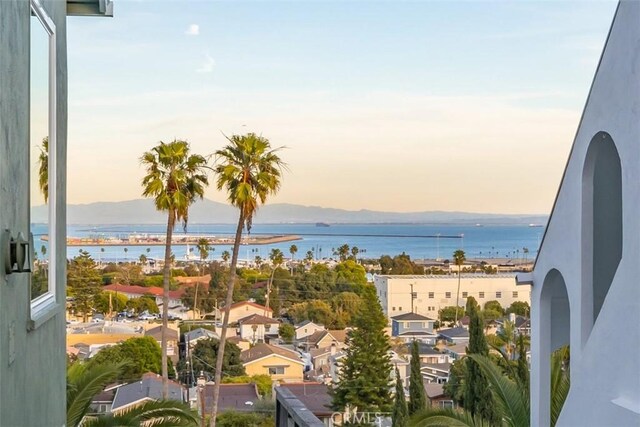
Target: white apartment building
column 431, row 293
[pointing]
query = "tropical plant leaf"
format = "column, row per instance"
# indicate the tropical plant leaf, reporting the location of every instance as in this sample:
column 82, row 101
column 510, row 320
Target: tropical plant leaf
column 162, row 413
column 560, row 381
column 445, row 418
column 514, row 407
column 83, row 384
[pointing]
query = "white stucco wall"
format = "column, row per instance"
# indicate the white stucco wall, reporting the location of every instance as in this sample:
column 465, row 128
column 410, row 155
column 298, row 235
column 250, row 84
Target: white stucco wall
column 605, row 367
column 394, row 292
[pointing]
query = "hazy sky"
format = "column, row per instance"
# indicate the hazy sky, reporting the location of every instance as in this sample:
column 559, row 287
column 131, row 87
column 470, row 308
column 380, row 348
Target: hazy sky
column 397, row 106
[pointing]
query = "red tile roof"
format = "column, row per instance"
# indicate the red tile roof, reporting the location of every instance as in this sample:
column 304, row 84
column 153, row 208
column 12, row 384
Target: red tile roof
column 142, row 290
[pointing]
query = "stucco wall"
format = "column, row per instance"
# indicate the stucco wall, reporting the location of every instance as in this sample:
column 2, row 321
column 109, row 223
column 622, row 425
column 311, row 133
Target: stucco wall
column 605, row 368
column 292, row 371
column 394, row 293
column 32, row 391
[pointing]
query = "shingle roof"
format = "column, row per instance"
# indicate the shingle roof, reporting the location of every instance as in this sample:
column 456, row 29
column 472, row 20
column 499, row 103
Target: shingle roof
column 458, row 332
column 262, row 350
column 433, row 390
column 235, row 397
column 443, row 367
column 156, row 333
column 200, row 333
column 411, row 316
column 315, row 396
column 150, row 386
column 423, row 349
column 257, row 319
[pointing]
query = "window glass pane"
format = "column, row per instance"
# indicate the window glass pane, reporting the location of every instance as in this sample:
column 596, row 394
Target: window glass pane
column 38, row 155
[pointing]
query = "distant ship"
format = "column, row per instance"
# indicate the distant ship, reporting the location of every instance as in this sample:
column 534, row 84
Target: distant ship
column 536, row 225
column 322, row 224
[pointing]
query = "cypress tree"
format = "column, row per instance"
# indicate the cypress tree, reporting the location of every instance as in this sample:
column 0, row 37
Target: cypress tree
column 523, row 368
column 417, row 395
column 364, row 379
column 400, row 412
column 477, row 395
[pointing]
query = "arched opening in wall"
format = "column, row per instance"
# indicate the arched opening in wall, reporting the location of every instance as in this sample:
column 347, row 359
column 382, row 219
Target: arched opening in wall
column 555, row 328
column 601, row 224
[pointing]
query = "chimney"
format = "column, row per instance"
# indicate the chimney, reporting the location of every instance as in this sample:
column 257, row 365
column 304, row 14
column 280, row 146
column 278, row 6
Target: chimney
column 512, row 317
column 333, row 348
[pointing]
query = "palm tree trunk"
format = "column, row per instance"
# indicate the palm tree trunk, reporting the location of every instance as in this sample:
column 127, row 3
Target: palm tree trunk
column 225, row 322
column 165, row 303
column 457, row 296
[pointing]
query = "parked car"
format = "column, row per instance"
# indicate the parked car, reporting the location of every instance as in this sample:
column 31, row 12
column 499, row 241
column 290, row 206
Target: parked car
column 147, row 316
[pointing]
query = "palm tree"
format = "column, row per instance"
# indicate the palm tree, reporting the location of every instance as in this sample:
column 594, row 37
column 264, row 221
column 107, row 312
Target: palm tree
column 43, row 168
column 292, row 250
column 458, row 259
column 225, row 256
column 175, row 179
column 85, row 381
column 277, row 258
column 125, row 254
column 309, row 257
column 354, row 253
column 250, row 170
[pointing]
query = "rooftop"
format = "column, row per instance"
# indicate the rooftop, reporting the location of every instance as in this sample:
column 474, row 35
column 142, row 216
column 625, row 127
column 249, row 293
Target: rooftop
column 315, row 396
column 446, row 276
column 261, row 350
column 235, row 397
column 411, row 316
column 458, row 332
column 149, row 387
column 257, row 319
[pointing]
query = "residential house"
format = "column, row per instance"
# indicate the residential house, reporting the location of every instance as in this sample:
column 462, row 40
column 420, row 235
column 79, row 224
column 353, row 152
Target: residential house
column 428, row 353
column 191, row 338
column 149, row 388
column 584, row 283
column 522, row 324
column 315, row 397
column 173, row 339
column 132, row 291
column 320, row 356
column 435, row 372
column 403, row 368
column 413, row 327
column 34, row 83
column 257, row 328
column 232, row 397
column 436, row 397
column 277, row 362
column 102, row 402
column 324, row 338
column 243, row 309
column 242, row 344
column 454, row 335
column 456, row 351
column 307, row 328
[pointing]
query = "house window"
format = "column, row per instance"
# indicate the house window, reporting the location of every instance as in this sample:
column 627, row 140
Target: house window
column 480, row 294
column 447, row 295
column 393, row 309
column 267, row 327
column 515, row 294
column 430, row 294
column 465, row 294
column 399, row 308
column 498, row 294
column 42, row 129
column 276, row 370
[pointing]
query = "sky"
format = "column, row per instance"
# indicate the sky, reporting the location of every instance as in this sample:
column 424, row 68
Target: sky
column 395, row 106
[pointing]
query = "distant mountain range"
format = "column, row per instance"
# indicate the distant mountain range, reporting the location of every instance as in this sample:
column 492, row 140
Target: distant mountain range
column 142, row 211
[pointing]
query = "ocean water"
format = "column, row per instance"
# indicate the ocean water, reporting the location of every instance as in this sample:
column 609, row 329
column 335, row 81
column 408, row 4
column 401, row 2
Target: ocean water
column 418, row 241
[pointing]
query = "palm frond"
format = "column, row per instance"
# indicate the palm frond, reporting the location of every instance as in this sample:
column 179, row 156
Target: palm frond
column 514, row 406
column 445, row 418
column 560, row 381
column 83, row 384
column 161, row 413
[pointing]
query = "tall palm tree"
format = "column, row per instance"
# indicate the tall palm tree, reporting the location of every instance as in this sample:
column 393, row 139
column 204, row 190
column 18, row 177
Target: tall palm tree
column 43, row 168
column 85, row 381
column 458, row 258
column 250, row 170
column 277, row 258
column 175, row 179
column 292, row 250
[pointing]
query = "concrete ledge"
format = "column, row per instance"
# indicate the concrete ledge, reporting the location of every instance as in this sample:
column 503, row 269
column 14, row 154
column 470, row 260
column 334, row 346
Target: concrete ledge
column 291, row 412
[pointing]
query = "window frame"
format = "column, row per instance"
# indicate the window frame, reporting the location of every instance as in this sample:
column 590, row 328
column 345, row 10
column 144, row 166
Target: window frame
column 45, row 306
